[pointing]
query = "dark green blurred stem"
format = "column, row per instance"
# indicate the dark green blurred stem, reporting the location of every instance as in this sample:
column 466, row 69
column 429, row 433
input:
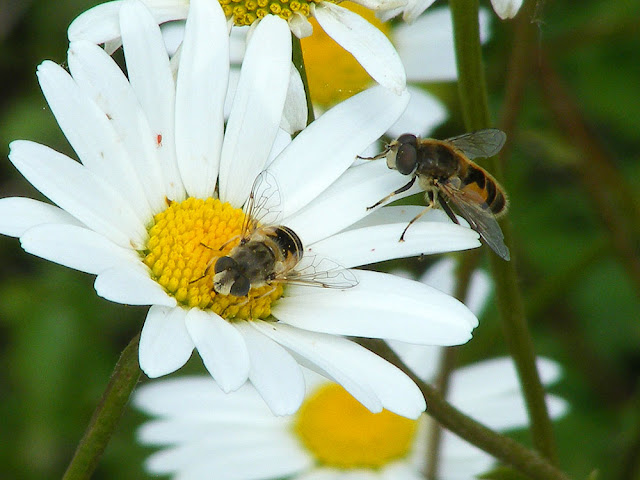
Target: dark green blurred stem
column 473, row 96
column 298, row 61
column 612, row 197
column 521, row 59
column 466, row 265
column 106, row 415
column 503, row 448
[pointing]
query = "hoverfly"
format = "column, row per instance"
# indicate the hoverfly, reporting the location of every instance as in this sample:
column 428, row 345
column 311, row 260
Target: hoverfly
column 445, row 172
column 270, row 253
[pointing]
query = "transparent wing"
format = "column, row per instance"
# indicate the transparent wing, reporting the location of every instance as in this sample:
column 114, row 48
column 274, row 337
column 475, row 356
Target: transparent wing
column 475, row 211
column 317, row 271
column 264, row 205
column 481, row 143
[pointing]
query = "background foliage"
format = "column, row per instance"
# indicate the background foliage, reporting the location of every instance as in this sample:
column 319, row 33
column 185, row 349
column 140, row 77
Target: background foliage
column 574, row 208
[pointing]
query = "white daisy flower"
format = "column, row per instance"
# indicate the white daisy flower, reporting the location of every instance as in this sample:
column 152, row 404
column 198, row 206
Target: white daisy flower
column 365, row 42
column 140, row 211
column 200, row 430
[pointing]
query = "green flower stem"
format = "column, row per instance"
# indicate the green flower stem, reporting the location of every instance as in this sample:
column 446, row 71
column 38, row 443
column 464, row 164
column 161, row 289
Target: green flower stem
column 473, row 96
column 106, row 415
column 298, row 61
column 503, row 448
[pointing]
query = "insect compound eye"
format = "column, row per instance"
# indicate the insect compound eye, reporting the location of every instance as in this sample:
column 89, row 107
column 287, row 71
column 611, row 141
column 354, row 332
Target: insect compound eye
column 241, row 286
column 406, row 158
column 408, row 138
column 224, row 263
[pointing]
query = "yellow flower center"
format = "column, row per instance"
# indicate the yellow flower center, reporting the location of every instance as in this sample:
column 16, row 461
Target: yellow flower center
column 341, row 433
column 245, row 12
column 333, row 73
column 185, row 241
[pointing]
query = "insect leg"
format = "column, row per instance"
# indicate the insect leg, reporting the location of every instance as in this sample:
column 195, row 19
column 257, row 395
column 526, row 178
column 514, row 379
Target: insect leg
column 429, row 207
column 395, row 192
column 227, row 242
column 447, row 209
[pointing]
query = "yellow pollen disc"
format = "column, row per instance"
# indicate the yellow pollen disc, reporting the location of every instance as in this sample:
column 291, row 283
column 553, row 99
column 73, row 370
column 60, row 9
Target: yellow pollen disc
column 333, row 74
column 245, row 12
column 341, row 433
column 184, row 243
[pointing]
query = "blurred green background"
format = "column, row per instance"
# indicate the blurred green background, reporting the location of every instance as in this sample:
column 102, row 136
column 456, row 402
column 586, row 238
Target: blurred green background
column 574, row 208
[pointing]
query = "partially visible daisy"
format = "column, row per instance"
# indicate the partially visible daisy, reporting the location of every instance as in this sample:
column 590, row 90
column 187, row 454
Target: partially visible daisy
column 200, row 430
column 367, row 44
column 427, row 52
column 157, row 197
column 412, row 9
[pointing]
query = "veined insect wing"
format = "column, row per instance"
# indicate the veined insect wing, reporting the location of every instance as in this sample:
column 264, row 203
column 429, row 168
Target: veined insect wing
column 481, row 143
column 264, row 205
column 480, row 219
column 319, row 271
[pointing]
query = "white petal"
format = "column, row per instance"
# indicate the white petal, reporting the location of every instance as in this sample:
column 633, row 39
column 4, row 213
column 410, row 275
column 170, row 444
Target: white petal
column 91, row 135
column 102, row 80
column 151, row 78
column 433, row 233
column 221, row 346
column 441, row 275
column 381, row 4
column 370, row 47
column 506, row 8
column 131, row 286
column 346, row 201
column 257, row 109
column 254, row 456
column 76, row 247
column 371, row 380
column 79, row 191
column 237, row 44
column 165, row 344
column 300, row 26
column 414, row 8
column 294, row 116
column 426, row 46
column 330, row 144
column 282, row 141
column 380, row 306
column 423, row 360
column 403, row 470
column 200, row 397
column 19, row 214
column 467, row 381
column 422, row 115
column 200, row 95
column 274, row 373
column 98, row 24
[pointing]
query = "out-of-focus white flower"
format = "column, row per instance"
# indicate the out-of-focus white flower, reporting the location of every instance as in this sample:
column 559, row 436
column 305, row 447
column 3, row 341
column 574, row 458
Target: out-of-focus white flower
column 200, row 430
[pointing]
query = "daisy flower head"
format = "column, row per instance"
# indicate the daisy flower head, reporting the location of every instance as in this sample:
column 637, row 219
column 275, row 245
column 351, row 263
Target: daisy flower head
column 156, row 200
column 198, row 429
column 370, row 47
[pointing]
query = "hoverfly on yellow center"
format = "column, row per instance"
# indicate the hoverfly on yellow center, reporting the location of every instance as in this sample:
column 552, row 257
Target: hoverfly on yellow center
column 445, row 171
column 269, row 254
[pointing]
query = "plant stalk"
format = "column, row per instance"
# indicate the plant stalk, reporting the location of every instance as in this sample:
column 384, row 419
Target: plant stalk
column 475, row 107
column 106, row 415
